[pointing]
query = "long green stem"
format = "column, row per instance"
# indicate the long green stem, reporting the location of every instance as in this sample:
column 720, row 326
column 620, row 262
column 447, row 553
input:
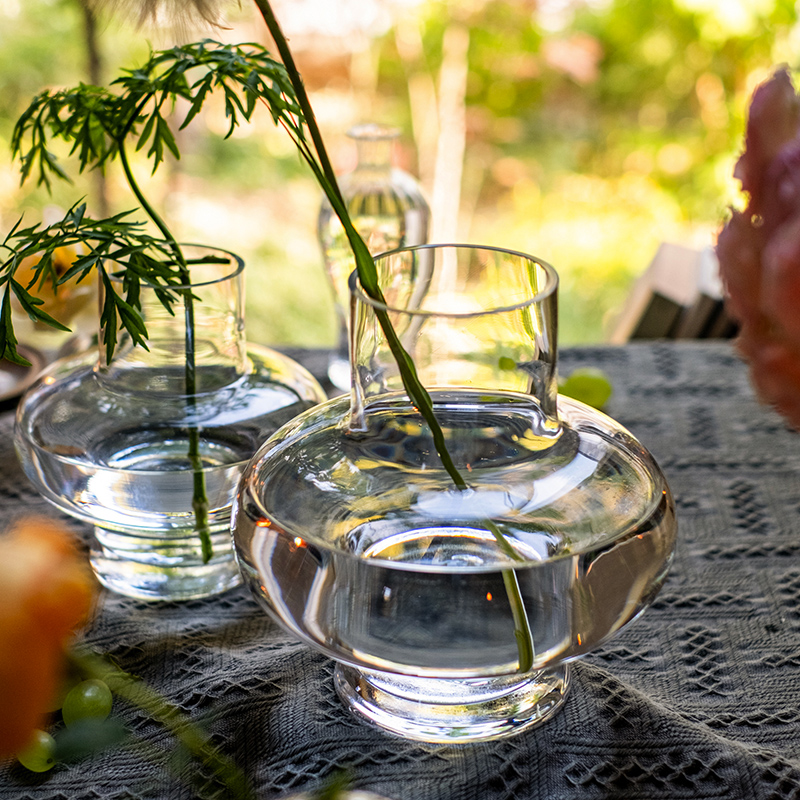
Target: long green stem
column 364, row 264
column 300, row 91
column 199, row 494
column 522, row 628
column 368, row 278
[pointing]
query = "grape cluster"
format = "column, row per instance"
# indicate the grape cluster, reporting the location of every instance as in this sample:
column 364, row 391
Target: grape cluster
column 86, row 700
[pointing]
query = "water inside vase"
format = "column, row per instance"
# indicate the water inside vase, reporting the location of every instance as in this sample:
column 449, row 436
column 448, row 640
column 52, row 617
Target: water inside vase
column 120, row 461
column 360, row 543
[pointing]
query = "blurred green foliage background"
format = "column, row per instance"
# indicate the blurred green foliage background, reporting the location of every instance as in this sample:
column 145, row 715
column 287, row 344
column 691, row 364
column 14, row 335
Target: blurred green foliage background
column 584, row 131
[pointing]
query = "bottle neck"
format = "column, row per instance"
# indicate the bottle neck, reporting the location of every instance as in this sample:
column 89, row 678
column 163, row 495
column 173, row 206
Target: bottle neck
column 374, row 146
column 374, row 155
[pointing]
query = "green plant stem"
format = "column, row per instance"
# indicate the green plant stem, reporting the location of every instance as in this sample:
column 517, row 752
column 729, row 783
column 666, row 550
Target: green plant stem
column 368, row 278
column 364, row 263
column 199, row 494
column 300, row 91
column 522, row 630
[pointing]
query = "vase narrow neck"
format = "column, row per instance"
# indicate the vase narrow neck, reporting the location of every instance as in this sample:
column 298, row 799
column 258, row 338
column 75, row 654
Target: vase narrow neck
column 195, row 343
column 473, row 320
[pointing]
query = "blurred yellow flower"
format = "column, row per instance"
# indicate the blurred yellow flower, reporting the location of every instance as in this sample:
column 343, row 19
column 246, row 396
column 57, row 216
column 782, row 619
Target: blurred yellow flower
column 47, row 593
column 66, row 300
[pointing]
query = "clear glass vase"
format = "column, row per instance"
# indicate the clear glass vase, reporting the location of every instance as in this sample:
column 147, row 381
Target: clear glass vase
column 453, row 610
column 123, row 445
column 389, row 210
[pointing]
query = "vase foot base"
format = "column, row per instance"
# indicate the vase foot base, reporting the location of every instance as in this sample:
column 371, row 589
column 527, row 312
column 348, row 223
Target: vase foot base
column 159, row 569
column 451, row 711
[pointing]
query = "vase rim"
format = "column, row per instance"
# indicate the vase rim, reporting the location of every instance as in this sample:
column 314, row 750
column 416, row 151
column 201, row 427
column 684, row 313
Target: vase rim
column 549, row 289
column 237, row 268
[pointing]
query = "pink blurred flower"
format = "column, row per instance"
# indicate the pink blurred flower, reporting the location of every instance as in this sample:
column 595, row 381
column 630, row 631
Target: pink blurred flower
column 759, row 248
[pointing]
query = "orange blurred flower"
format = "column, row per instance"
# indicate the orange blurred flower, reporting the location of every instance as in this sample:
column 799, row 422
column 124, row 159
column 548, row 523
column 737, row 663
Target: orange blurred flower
column 46, row 592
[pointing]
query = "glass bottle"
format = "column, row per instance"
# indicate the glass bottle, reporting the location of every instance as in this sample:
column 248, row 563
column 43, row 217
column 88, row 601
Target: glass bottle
column 388, row 209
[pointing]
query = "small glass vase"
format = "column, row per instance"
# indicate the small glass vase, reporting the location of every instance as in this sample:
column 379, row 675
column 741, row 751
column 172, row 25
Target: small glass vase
column 122, row 445
column 389, row 210
column 453, row 612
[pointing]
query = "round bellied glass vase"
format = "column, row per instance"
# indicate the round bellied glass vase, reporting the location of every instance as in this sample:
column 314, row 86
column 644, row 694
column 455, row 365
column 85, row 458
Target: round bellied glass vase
column 387, row 207
column 453, row 570
column 148, row 445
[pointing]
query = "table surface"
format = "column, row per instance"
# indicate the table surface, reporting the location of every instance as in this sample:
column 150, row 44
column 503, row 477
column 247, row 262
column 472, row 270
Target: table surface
column 699, row 698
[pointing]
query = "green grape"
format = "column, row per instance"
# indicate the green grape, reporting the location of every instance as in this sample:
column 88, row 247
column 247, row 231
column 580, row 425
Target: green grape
column 38, row 755
column 89, row 699
column 587, row 384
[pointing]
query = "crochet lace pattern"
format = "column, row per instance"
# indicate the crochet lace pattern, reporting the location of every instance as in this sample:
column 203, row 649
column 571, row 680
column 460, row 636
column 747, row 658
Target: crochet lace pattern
column 699, row 698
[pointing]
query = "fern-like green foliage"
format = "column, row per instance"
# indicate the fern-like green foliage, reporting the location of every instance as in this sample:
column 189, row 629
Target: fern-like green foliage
column 100, row 126
column 140, row 109
column 99, row 123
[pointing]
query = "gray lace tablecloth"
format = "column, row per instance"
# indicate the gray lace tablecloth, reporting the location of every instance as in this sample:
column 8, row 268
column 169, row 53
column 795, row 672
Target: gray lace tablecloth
column 700, row 698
